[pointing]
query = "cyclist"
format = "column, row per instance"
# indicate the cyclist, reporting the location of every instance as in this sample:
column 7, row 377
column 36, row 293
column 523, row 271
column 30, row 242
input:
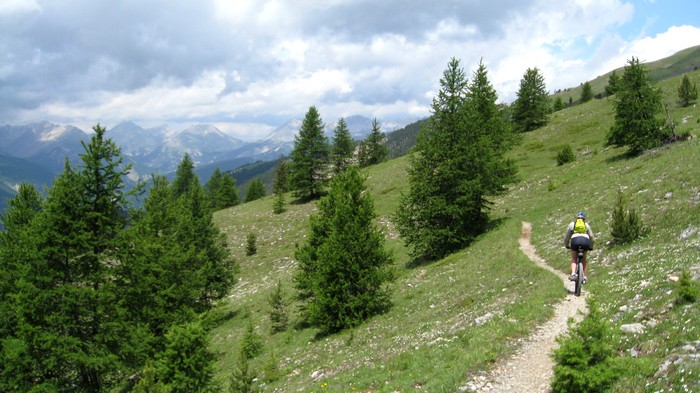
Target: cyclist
column 579, row 233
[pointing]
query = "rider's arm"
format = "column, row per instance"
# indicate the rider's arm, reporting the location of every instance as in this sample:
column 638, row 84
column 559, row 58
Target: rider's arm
column 567, row 236
column 589, row 232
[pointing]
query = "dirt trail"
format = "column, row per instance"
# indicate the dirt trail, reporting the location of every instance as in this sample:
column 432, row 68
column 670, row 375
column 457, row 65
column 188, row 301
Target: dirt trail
column 530, row 368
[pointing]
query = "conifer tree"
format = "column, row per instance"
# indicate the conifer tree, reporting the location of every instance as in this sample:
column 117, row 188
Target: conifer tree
column 343, row 265
column 279, row 186
column 185, row 177
column 309, row 158
column 186, row 365
column 458, row 163
column 16, row 252
column 278, row 310
column 687, row 92
column 70, row 317
column 256, row 190
column 613, row 84
column 373, row 150
column 531, row 108
column 221, row 190
column 343, row 146
column 637, row 103
column 558, row 104
column 586, row 92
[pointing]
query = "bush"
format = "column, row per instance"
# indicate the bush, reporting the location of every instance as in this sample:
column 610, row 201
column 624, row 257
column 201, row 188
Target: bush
column 252, row 343
column 242, row 378
column 278, row 310
column 584, row 361
column 565, row 155
column 626, row 225
column 251, row 248
column 687, row 291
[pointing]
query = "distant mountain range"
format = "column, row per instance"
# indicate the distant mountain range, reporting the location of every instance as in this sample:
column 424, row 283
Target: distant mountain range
column 35, row 153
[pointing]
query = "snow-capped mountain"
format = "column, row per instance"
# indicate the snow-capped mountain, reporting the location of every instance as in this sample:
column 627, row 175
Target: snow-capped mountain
column 200, row 139
column 135, row 140
column 159, row 149
column 44, row 144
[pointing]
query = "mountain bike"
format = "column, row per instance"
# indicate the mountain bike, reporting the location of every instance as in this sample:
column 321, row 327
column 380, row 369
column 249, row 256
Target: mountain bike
column 579, row 271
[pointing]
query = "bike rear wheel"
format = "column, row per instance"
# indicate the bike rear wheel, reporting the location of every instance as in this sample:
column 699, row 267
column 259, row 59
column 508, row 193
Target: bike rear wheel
column 579, row 273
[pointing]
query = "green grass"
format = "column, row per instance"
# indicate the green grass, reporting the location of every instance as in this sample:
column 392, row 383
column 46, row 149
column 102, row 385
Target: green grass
column 458, row 316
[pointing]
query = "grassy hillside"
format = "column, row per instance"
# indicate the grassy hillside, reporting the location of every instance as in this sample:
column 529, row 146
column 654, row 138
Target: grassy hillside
column 458, row 316
column 687, row 60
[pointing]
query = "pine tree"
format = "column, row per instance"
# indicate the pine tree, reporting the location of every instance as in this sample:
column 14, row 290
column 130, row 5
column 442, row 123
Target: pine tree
column 558, row 104
column 343, row 265
column 71, row 326
column 636, row 103
column 279, row 186
column 586, row 92
column 687, row 92
column 309, row 158
column 458, row 162
column 251, row 247
column 186, row 365
column 256, row 190
column 278, row 310
column 613, row 84
column 221, row 191
column 185, row 177
column 16, row 253
column 343, row 146
column 373, row 150
column 531, row 108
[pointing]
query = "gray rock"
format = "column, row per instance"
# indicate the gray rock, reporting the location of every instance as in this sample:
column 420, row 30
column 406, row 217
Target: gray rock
column 633, row 328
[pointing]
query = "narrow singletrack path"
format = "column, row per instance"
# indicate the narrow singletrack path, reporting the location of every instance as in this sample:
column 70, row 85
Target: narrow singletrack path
column 530, row 369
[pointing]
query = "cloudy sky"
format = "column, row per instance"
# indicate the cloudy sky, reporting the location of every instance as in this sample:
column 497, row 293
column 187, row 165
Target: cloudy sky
column 248, row 66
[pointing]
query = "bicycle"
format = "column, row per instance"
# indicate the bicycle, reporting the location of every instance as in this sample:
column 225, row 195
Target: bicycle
column 579, row 271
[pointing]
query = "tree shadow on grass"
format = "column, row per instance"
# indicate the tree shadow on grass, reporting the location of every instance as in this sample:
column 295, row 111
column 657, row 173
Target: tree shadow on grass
column 421, row 260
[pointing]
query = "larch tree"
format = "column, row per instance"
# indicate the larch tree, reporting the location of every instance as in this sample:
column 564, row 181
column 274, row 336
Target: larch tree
column 531, row 108
column 279, row 186
column 256, row 190
column 185, row 177
column 343, row 146
column 308, row 165
column 636, row 104
column 458, row 162
column 586, row 92
column 373, row 150
column 613, row 84
column 221, row 190
column 343, row 266
column 70, row 318
column 687, row 92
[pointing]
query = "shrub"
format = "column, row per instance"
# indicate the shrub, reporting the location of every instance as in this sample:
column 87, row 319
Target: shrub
column 252, row 343
column 584, row 361
column 251, row 248
column 626, row 224
column 686, row 291
column 242, row 378
column 565, row 155
column 278, row 310
column 271, row 369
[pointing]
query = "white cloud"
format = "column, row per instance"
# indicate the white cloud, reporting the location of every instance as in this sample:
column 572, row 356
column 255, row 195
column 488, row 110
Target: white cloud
column 259, row 62
column 18, row 6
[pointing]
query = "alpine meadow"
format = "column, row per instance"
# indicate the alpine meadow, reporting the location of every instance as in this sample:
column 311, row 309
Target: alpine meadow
column 327, row 286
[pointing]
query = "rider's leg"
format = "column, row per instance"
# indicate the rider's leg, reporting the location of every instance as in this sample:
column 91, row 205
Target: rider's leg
column 585, row 263
column 574, row 255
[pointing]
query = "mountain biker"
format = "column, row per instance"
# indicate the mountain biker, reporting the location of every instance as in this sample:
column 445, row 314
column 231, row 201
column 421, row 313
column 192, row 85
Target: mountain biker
column 579, row 233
